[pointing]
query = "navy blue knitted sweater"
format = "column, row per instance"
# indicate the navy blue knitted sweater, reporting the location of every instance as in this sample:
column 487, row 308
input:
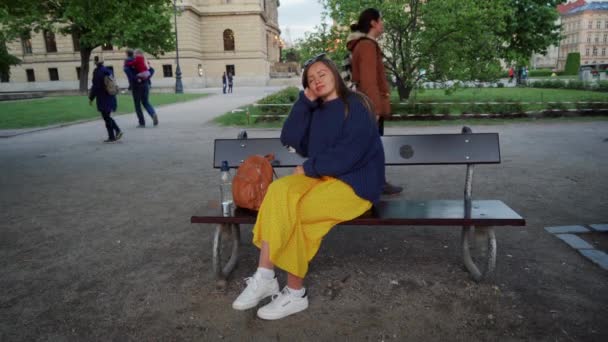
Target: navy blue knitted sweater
column 344, row 147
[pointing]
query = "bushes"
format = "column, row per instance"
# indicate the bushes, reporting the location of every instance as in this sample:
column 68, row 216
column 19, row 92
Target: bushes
column 554, row 84
column 572, row 84
column 602, row 86
column 540, row 73
column 573, row 62
column 285, row 96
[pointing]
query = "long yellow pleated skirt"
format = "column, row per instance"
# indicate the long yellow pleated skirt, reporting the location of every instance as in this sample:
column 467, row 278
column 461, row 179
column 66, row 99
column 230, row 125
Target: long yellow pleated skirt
column 297, row 212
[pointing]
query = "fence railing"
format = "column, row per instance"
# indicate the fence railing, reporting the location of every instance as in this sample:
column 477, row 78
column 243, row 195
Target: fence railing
column 454, row 116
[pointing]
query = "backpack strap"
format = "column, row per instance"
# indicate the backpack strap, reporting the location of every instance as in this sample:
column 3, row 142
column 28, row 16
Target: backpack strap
column 270, row 158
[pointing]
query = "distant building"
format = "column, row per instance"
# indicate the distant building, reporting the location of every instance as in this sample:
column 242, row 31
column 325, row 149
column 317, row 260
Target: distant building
column 214, row 36
column 584, row 30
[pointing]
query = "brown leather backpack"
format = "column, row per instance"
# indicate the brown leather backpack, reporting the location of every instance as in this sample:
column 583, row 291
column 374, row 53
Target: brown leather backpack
column 251, row 181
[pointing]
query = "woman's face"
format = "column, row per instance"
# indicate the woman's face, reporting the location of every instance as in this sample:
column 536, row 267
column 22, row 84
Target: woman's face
column 378, row 27
column 321, row 81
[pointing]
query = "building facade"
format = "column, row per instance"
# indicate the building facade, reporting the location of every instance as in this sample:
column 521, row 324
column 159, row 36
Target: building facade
column 214, row 36
column 585, row 30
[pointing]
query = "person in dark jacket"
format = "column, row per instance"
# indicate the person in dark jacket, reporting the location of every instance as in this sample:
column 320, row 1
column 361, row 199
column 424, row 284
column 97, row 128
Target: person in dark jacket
column 368, row 70
column 224, row 83
column 342, row 177
column 106, row 103
column 140, row 89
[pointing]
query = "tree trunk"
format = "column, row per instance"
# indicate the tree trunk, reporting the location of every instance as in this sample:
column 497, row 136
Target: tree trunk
column 403, row 90
column 85, row 56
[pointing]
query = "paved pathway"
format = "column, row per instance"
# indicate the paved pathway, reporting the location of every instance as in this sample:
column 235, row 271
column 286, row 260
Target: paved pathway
column 96, row 244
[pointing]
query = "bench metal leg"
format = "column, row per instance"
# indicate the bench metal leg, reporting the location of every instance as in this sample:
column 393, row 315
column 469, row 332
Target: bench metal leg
column 225, row 241
column 479, row 248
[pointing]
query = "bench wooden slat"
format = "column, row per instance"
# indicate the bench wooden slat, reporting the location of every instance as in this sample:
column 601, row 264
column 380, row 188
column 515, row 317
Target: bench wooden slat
column 402, row 213
column 428, row 149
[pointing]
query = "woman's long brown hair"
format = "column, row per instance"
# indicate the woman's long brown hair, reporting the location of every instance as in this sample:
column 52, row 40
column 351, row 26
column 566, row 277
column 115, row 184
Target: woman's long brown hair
column 341, row 88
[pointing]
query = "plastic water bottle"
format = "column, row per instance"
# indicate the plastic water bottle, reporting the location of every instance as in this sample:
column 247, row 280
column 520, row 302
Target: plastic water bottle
column 226, row 189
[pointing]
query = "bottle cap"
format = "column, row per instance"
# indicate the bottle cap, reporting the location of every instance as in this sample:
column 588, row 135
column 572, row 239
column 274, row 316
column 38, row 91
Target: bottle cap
column 225, row 166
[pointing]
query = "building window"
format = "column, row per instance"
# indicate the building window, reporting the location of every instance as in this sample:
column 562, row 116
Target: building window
column 76, row 41
column 4, row 77
column 587, row 52
column 107, row 47
column 588, row 39
column 49, row 41
column 598, row 25
column 603, row 51
column 597, row 39
column 167, row 70
column 605, row 37
column 595, row 51
column 590, row 24
column 26, row 44
column 228, row 40
column 78, row 73
column 606, row 24
column 31, row 77
column 53, row 74
column 230, row 69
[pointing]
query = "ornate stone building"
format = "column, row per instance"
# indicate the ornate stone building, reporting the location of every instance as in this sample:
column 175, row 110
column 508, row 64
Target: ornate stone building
column 585, row 30
column 241, row 36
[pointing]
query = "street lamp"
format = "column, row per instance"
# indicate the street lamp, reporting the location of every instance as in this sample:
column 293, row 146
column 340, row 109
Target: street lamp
column 179, row 88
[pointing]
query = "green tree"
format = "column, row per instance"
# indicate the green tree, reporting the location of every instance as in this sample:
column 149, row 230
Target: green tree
column 323, row 39
column 573, row 63
column 441, row 40
column 6, row 59
column 143, row 23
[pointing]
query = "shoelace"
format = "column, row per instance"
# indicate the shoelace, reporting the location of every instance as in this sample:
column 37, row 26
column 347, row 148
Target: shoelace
column 250, row 280
column 285, row 292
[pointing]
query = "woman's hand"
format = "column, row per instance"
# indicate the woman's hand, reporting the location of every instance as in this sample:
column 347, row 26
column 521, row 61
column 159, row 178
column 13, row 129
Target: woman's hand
column 299, row 170
column 310, row 94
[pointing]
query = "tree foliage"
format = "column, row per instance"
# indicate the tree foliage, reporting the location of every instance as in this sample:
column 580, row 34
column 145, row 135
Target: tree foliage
column 441, row 40
column 573, row 63
column 142, row 23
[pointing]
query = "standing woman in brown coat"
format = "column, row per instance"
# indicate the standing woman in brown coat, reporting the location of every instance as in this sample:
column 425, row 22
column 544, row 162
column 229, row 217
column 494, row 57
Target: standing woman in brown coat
column 368, row 70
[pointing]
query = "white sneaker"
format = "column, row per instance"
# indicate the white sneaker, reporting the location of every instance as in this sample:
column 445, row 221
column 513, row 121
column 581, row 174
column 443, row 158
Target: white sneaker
column 256, row 290
column 283, row 305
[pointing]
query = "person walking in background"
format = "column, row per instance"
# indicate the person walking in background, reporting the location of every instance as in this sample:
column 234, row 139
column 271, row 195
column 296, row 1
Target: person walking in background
column 140, row 89
column 230, row 82
column 106, row 103
column 511, row 74
column 224, row 83
column 368, row 73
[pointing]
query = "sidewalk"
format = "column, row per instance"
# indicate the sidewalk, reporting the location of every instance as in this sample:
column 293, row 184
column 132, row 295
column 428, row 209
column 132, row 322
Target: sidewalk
column 213, row 106
column 96, row 242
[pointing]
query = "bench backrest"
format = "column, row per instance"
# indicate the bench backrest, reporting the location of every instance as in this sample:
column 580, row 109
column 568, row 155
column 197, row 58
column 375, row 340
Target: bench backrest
column 428, row 149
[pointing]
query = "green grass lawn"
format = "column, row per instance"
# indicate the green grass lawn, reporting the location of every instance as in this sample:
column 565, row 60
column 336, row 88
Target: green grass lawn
column 504, row 94
column 466, row 96
column 62, row 109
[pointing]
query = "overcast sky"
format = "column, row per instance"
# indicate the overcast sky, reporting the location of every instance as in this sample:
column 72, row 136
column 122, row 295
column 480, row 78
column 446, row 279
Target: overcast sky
column 299, row 16
column 302, row 16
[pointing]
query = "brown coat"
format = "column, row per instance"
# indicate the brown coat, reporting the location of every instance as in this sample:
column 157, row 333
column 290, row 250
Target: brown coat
column 369, row 75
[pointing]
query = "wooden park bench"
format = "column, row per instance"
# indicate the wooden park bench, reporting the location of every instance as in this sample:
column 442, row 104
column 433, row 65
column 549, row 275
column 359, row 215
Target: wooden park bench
column 476, row 217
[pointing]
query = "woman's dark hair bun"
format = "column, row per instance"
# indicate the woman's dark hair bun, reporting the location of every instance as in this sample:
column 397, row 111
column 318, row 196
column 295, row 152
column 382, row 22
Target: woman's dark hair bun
column 354, row 27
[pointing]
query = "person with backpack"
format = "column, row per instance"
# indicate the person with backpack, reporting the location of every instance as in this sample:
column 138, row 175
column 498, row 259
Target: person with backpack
column 368, row 75
column 103, row 90
column 334, row 128
column 140, row 89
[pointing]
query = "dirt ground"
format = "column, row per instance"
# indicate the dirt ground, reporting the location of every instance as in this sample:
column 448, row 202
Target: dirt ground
column 96, row 245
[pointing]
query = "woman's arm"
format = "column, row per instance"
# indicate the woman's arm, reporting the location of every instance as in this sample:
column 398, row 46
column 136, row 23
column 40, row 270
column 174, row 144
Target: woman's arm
column 357, row 138
column 296, row 127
